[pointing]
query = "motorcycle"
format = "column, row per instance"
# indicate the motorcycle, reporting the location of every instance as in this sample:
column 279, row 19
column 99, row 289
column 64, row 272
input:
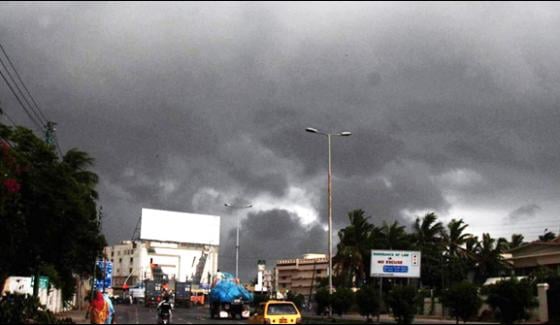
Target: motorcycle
column 164, row 317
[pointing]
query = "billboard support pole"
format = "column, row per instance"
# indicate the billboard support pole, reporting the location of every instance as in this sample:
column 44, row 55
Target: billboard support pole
column 380, row 299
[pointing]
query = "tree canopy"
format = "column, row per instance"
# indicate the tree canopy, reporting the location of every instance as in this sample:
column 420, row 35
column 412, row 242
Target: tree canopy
column 48, row 210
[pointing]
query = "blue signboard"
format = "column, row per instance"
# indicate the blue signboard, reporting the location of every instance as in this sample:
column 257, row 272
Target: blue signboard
column 395, row 269
column 106, row 268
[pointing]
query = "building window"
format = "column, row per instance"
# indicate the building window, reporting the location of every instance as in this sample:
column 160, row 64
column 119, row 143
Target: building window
column 130, row 271
column 131, row 260
column 112, row 254
column 120, row 260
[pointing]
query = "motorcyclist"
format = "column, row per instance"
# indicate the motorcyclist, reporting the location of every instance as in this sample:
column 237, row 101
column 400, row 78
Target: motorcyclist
column 164, row 308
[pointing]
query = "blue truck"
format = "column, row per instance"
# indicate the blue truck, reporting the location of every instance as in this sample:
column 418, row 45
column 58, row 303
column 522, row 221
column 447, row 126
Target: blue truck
column 228, row 298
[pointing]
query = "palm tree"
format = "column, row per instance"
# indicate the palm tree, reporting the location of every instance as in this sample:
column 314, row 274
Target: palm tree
column 77, row 163
column 489, row 259
column 517, row 240
column 455, row 255
column 352, row 258
column 427, row 232
column 394, row 236
column 428, row 235
column 455, row 238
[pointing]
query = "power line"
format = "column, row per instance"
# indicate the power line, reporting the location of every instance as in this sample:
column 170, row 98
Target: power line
column 38, row 125
column 21, row 93
column 3, row 113
column 40, row 113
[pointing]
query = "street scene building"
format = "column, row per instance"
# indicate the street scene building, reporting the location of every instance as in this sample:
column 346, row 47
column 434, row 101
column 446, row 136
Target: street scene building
column 536, row 255
column 173, row 246
column 300, row 275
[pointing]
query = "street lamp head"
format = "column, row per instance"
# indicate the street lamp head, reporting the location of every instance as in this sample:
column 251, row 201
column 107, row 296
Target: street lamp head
column 312, row 130
column 345, row 134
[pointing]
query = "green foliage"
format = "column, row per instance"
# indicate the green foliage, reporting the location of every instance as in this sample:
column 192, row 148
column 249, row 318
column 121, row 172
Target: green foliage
column 403, row 302
column 463, row 301
column 342, row 300
column 50, row 224
column 510, row 300
column 298, row 300
column 368, row 301
column 24, row 309
column 323, row 300
column 548, row 236
column 554, row 299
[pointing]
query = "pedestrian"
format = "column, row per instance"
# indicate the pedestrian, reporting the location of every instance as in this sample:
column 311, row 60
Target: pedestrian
column 98, row 309
column 111, row 310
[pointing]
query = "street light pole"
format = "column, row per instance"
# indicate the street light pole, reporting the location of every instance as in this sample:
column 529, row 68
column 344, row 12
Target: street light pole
column 330, row 209
column 237, row 236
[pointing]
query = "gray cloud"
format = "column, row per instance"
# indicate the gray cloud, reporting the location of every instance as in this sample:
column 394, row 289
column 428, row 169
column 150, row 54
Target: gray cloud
column 270, row 235
column 186, row 106
column 524, row 212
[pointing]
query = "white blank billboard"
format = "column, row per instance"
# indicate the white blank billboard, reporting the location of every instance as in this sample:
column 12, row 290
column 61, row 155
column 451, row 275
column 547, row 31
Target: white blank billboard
column 180, row 227
column 395, row 264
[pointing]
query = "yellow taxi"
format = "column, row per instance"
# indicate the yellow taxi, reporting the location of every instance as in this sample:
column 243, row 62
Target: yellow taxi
column 276, row 312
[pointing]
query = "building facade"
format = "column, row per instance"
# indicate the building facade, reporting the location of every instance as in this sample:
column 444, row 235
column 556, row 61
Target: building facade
column 135, row 261
column 300, row 275
column 536, row 255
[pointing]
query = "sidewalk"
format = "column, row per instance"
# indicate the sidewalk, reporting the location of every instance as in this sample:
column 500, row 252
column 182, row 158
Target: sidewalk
column 386, row 318
column 78, row 316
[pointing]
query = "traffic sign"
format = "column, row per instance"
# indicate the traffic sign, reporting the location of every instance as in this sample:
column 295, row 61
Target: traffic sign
column 395, row 264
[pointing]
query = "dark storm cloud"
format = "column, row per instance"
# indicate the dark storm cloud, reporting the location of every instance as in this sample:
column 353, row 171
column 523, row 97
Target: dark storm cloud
column 270, row 235
column 524, row 212
column 186, row 106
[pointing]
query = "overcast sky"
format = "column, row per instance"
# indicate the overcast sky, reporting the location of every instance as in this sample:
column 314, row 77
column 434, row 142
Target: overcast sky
column 454, row 108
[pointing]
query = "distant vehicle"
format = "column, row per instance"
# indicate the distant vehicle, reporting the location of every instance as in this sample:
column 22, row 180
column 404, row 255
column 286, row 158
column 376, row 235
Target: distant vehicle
column 152, row 293
column 198, row 297
column 276, row 312
column 182, row 294
column 228, row 298
column 138, row 294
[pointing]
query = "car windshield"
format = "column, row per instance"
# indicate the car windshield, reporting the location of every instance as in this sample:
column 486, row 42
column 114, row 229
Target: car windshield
column 281, row 309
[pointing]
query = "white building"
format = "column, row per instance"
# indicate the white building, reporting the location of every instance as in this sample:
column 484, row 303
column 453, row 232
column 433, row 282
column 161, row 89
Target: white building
column 183, row 246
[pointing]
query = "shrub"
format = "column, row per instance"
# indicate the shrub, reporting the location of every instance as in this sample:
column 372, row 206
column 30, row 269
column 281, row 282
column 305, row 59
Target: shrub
column 463, row 301
column 368, row 302
column 298, row 300
column 25, row 309
column 342, row 300
column 403, row 302
column 510, row 300
column 323, row 300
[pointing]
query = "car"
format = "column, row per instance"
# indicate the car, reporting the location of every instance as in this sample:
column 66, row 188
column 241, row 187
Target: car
column 276, row 312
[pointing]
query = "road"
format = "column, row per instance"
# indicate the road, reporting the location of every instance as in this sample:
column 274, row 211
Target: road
column 138, row 314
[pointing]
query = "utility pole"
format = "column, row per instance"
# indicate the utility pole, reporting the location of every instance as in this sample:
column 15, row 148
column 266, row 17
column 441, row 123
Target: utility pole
column 50, row 133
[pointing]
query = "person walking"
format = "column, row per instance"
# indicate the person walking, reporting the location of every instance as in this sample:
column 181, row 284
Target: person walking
column 111, row 310
column 98, row 309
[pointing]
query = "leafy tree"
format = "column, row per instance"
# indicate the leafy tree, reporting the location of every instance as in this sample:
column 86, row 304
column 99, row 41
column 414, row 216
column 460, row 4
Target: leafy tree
column 403, row 302
column 511, row 300
column 49, row 219
column 368, row 301
column 548, row 236
column 298, row 300
column 463, row 301
column 342, row 300
column 323, row 300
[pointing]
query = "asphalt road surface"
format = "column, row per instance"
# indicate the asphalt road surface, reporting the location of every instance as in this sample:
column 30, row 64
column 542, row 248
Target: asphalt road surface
column 138, row 314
